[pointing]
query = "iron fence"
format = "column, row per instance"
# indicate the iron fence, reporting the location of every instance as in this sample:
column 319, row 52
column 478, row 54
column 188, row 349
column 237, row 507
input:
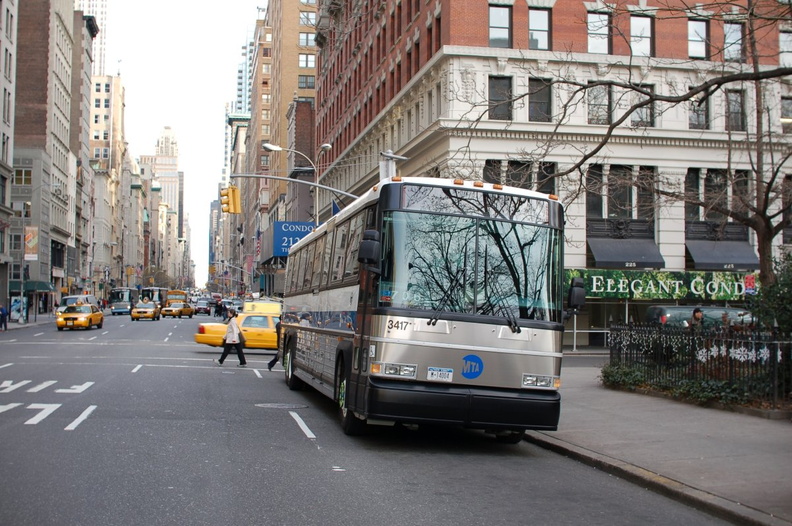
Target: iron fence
column 753, row 366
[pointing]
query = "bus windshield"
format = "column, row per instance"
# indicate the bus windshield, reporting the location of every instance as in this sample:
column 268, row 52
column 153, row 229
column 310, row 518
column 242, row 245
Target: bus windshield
column 472, row 265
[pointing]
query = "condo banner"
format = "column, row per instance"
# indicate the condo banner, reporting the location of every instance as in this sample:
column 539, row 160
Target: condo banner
column 657, row 285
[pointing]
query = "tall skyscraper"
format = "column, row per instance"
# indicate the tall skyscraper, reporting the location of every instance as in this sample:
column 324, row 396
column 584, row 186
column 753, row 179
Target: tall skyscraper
column 97, row 9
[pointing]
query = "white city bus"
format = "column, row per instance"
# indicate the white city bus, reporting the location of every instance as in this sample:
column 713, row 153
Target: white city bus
column 435, row 301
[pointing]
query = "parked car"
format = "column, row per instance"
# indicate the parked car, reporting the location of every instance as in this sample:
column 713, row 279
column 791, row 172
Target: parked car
column 258, row 328
column 79, row 315
column 679, row 315
column 146, row 310
column 177, row 309
column 203, row 307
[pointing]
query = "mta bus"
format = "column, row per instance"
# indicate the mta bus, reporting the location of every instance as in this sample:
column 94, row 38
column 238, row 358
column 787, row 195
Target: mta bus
column 432, row 301
column 121, row 300
column 156, row 294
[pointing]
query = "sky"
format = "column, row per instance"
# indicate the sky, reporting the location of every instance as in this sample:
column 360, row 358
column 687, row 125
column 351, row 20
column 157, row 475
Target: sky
column 178, row 63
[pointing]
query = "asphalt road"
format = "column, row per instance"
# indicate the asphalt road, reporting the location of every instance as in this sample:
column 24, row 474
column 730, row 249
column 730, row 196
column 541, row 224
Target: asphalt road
column 133, row 424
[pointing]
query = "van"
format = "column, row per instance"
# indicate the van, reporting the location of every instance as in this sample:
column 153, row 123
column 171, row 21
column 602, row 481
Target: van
column 679, row 315
column 82, row 298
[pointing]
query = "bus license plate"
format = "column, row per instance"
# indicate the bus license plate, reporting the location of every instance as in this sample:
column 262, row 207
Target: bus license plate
column 440, row 374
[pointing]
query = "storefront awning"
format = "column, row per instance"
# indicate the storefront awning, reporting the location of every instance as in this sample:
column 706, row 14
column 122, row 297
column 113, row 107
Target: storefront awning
column 625, row 253
column 722, row 255
column 31, row 286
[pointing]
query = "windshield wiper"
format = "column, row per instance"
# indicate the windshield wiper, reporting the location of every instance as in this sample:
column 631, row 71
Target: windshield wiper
column 446, row 298
column 504, row 309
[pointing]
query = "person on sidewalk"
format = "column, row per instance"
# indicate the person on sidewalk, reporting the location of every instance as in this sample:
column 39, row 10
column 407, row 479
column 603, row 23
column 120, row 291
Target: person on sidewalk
column 696, row 322
column 3, row 318
column 233, row 340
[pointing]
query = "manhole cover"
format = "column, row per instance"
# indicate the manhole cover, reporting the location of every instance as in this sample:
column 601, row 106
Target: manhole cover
column 282, row 406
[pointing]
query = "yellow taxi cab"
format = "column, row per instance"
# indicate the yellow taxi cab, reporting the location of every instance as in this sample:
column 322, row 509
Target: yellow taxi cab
column 80, row 315
column 145, row 310
column 179, row 309
column 258, row 328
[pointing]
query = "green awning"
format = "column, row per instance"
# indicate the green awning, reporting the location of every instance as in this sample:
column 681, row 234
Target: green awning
column 31, row 286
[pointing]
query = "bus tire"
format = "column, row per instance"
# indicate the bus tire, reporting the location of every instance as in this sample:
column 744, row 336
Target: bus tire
column 350, row 424
column 293, row 383
column 512, row 436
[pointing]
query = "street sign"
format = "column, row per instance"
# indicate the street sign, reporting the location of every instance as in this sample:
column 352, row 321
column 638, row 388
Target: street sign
column 287, row 233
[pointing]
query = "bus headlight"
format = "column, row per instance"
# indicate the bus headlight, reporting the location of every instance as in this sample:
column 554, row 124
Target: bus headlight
column 401, row 370
column 541, row 381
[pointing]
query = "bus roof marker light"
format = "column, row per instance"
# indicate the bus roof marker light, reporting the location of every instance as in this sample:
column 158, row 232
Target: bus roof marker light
column 478, row 184
column 459, row 182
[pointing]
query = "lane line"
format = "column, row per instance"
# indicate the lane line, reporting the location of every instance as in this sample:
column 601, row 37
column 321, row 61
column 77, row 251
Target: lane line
column 38, row 334
column 136, row 369
column 80, row 419
column 257, row 373
column 6, row 365
column 303, row 425
column 44, row 411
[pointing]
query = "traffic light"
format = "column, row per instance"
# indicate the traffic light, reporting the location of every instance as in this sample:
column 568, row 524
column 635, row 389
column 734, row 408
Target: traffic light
column 230, row 200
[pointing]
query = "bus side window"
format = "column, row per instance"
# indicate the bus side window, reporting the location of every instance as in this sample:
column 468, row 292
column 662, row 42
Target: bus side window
column 339, row 252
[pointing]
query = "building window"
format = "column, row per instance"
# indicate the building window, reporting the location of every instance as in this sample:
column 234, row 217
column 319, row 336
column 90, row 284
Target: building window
column 107, row 103
column 265, row 160
column 545, row 178
column 97, row 103
column 645, row 194
column 641, row 36
column 97, row 153
column 594, row 199
column 539, row 104
column 599, row 33
column 307, row 39
column 107, row 87
column 643, row 117
column 306, row 82
column 308, row 2
column 307, row 61
column 715, row 194
column 692, row 182
column 98, row 87
column 620, row 184
column 265, row 98
column 698, row 36
column 492, row 171
column 518, row 173
column 698, row 115
column 539, row 29
column 785, row 49
column 307, row 18
column 787, row 214
column 106, row 135
column 96, row 135
column 786, row 114
column 735, row 110
column 733, row 42
column 599, row 103
column 500, row 26
column 23, row 177
column 500, row 94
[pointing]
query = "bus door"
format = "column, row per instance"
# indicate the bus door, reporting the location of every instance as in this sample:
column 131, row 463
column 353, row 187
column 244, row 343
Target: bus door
column 368, row 256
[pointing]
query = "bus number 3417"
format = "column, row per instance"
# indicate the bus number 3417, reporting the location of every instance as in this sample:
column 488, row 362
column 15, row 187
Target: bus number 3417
column 399, row 325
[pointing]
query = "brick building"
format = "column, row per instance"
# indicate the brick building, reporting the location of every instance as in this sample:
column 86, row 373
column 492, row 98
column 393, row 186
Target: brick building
column 523, row 93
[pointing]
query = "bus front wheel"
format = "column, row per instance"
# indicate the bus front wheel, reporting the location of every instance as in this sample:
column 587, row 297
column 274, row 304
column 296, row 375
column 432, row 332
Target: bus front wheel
column 350, row 424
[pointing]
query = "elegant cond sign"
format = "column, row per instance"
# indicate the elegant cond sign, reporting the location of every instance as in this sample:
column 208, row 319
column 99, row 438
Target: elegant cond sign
column 654, row 285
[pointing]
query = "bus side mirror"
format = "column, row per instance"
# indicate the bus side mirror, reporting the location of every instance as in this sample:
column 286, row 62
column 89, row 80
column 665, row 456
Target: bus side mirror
column 369, row 252
column 576, row 297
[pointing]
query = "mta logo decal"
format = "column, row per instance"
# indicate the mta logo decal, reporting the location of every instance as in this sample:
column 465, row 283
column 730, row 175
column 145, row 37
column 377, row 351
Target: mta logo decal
column 473, row 366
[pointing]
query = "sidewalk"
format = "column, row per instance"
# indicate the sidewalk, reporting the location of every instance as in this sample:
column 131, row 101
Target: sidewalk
column 732, row 465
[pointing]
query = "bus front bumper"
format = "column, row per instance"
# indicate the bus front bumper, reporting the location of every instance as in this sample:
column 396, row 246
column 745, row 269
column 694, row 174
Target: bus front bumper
column 472, row 407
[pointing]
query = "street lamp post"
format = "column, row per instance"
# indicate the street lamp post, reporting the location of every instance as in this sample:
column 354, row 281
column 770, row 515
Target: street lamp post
column 323, row 148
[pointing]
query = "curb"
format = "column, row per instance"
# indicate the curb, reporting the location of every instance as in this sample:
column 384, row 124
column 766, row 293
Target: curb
column 707, row 502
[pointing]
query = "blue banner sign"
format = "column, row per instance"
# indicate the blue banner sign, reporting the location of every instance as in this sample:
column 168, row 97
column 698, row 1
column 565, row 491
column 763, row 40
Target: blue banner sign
column 287, row 233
